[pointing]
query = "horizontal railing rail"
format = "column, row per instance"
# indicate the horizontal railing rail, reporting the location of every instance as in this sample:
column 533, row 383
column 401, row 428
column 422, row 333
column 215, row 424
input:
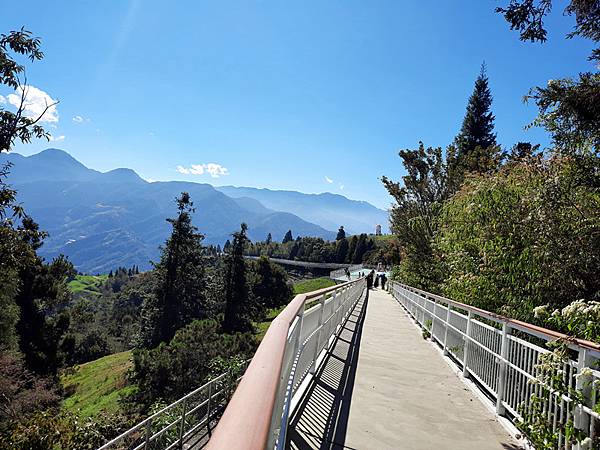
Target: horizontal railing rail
column 340, row 274
column 504, row 364
column 185, row 421
column 256, row 418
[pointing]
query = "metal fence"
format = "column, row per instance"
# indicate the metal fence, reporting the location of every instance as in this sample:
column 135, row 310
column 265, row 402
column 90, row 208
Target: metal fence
column 187, row 421
column 340, row 274
column 293, row 348
column 502, row 357
column 312, row 332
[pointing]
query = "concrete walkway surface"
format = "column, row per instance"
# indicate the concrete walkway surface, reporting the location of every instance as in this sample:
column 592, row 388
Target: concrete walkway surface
column 384, row 387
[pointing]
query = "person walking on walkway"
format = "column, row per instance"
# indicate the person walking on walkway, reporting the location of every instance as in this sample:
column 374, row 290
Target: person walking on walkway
column 383, row 280
column 370, row 279
column 376, row 280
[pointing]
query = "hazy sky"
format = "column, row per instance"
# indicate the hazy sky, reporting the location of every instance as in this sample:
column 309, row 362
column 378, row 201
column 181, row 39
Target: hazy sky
column 312, row 96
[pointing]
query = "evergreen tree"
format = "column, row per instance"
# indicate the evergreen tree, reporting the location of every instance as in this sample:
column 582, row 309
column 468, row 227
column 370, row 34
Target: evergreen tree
column 341, row 234
column 360, row 250
column 180, row 294
column 238, row 304
column 269, row 239
column 41, row 299
column 110, row 274
column 477, row 131
column 288, row 237
column 269, row 284
column 227, row 246
column 351, row 249
column 341, row 250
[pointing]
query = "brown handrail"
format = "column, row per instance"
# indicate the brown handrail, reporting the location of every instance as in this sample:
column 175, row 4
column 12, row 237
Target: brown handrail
column 246, row 421
column 523, row 326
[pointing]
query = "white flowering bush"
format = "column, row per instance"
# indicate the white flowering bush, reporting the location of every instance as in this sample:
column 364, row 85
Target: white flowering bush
column 579, row 319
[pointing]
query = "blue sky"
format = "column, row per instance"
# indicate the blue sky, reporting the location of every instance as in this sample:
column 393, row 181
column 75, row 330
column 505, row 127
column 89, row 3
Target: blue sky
column 278, row 94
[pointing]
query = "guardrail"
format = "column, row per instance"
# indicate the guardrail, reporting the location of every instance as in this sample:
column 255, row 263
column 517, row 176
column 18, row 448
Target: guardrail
column 501, row 356
column 186, row 421
column 340, row 274
column 294, row 345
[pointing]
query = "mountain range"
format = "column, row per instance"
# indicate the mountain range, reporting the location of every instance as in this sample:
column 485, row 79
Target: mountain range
column 102, row 220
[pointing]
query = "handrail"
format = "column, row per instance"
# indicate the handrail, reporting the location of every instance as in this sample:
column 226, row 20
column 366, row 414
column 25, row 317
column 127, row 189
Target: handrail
column 539, row 331
column 247, row 422
column 505, row 366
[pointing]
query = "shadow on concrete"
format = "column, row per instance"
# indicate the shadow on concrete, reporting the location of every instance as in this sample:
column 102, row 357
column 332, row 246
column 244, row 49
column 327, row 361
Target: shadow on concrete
column 320, row 420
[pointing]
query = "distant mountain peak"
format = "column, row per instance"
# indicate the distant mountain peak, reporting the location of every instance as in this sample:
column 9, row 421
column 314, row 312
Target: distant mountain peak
column 122, row 175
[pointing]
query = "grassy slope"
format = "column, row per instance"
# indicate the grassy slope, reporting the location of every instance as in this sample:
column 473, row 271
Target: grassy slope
column 87, row 284
column 312, row 285
column 97, row 385
column 299, row 288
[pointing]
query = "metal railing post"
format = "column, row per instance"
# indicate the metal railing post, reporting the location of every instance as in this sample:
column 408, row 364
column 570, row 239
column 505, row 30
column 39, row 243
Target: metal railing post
column 447, row 325
column 500, row 409
column 432, row 337
column 290, row 386
column 208, row 406
column 313, row 366
column 467, row 345
column 148, row 433
column 581, row 420
column 182, row 424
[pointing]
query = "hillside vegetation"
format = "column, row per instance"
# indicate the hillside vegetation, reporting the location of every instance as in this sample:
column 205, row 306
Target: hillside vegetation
column 87, row 284
column 96, row 387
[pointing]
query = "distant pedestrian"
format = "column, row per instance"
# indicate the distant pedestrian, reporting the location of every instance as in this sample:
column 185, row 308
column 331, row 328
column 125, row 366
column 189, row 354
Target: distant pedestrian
column 383, row 280
column 376, row 284
column 370, row 279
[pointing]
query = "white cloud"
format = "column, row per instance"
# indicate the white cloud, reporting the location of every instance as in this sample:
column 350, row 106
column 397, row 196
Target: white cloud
column 183, row 170
column 80, row 119
column 329, row 180
column 341, row 187
column 2, row 99
column 57, row 138
column 36, row 102
column 213, row 169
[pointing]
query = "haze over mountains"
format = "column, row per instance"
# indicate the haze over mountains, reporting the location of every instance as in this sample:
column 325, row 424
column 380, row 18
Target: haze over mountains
column 104, row 220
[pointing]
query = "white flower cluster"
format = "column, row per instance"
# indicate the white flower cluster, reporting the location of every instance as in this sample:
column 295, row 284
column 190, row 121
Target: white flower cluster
column 540, row 311
column 582, row 308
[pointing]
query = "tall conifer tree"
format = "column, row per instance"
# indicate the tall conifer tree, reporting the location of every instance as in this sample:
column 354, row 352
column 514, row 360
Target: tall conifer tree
column 180, row 295
column 478, row 125
column 237, row 295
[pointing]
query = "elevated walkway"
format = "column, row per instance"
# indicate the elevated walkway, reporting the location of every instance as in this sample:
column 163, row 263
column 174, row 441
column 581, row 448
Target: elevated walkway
column 382, row 386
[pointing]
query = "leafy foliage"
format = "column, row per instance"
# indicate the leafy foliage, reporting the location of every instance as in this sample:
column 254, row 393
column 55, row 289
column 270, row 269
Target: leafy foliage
column 16, row 125
column 525, row 237
column 413, row 217
column 527, row 17
column 171, row 370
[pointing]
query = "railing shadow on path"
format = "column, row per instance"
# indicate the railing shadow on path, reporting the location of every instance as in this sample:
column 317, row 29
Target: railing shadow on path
column 320, row 421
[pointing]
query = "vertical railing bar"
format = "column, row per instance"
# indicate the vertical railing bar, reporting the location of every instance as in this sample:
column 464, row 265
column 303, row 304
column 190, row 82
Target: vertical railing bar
column 467, row 345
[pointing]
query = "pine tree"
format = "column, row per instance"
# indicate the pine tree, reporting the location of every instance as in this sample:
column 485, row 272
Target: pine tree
column 288, row 237
column 361, row 248
column 351, row 249
column 227, row 246
column 110, row 274
column 180, row 295
column 341, row 250
column 476, row 139
column 341, row 234
column 237, row 295
column 269, row 239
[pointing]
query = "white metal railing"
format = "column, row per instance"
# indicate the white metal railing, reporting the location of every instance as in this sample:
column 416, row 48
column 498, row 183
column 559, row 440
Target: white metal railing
column 186, row 421
column 501, row 356
column 340, row 274
column 295, row 345
column 310, row 334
